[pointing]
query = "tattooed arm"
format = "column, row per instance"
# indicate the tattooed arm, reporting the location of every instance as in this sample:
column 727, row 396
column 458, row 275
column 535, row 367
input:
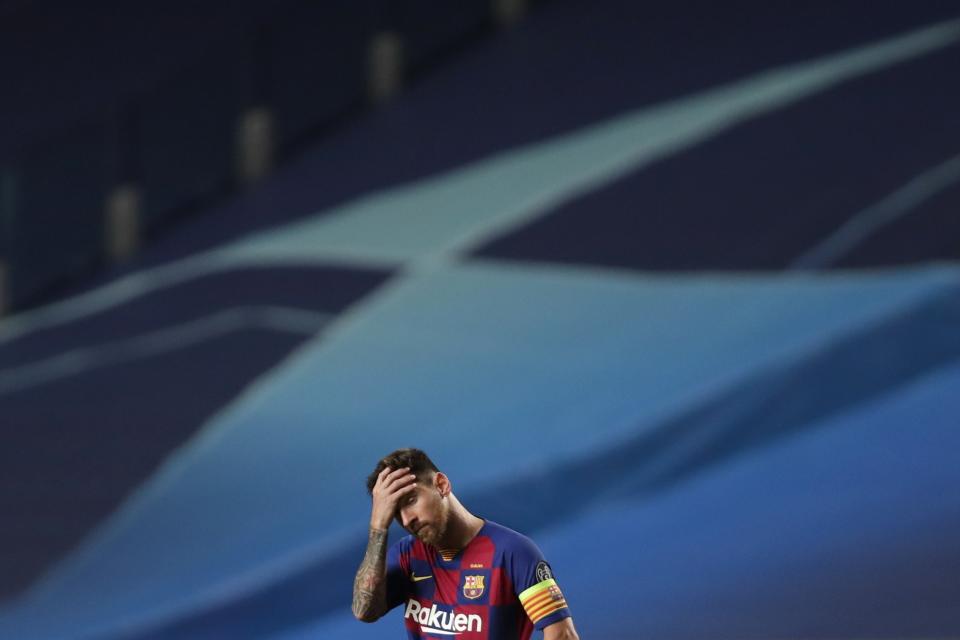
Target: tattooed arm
column 370, row 584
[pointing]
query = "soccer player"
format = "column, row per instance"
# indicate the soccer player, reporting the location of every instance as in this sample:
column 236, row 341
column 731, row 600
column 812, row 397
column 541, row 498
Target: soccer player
column 456, row 575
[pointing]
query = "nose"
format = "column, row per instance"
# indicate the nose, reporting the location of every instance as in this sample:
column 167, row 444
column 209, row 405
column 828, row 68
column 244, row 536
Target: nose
column 407, row 518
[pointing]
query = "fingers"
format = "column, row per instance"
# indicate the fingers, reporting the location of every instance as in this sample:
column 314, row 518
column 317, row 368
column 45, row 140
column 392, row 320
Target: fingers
column 401, row 484
column 387, row 473
column 391, row 480
column 404, row 490
column 392, row 485
column 388, row 476
column 398, row 473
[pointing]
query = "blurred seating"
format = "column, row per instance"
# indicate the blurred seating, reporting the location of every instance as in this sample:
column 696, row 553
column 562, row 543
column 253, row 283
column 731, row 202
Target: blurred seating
column 168, row 82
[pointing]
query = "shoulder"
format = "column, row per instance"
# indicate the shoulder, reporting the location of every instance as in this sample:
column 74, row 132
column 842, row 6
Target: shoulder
column 403, row 546
column 510, row 542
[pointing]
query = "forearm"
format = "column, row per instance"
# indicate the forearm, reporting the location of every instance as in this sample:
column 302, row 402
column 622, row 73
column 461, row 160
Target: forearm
column 370, row 584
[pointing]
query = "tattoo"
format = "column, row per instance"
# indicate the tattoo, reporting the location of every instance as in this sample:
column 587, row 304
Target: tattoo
column 369, row 587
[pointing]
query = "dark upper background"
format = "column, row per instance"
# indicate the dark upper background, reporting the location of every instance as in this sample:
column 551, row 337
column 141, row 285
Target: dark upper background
column 150, row 94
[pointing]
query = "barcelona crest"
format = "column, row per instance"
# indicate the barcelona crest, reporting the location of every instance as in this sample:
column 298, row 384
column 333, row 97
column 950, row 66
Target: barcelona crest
column 473, row 587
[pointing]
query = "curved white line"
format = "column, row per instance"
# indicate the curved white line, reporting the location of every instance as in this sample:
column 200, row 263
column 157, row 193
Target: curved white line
column 890, row 209
column 79, row 361
column 435, row 220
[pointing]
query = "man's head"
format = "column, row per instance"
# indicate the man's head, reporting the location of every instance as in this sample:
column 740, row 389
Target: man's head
column 425, row 511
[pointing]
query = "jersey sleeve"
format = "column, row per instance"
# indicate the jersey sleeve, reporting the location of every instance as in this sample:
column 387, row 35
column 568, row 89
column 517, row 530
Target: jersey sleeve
column 398, row 563
column 536, row 586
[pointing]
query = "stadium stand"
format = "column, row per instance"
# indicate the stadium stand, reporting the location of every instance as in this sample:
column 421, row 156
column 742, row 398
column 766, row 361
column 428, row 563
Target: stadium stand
column 672, row 287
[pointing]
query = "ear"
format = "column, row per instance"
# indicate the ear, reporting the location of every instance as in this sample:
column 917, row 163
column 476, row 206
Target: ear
column 442, row 483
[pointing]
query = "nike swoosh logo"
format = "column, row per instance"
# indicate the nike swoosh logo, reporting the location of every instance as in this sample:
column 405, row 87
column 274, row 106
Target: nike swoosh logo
column 417, row 578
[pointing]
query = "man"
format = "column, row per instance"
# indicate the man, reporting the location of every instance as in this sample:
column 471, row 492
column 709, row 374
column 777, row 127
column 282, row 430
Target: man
column 456, row 575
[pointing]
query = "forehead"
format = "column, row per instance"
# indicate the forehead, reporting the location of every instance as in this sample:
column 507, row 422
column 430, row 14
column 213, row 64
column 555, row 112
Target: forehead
column 421, row 489
column 420, row 486
column 421, row 492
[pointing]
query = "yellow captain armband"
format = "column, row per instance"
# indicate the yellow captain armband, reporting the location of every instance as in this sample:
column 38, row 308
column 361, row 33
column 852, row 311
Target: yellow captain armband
column 542, row 599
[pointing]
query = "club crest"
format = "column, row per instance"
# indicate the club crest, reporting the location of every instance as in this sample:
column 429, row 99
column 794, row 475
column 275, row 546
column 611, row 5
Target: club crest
column 473, row 587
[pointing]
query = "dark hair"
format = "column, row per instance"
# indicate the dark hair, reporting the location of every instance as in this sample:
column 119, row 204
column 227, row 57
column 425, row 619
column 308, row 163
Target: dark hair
column 420, row 465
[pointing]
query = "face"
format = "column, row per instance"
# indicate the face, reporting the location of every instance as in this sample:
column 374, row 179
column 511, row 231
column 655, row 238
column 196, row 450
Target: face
column 424, row 511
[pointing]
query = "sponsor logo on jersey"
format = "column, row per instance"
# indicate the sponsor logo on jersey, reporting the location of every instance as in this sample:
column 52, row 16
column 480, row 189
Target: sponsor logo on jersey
column 445, row 623
column 473, row 587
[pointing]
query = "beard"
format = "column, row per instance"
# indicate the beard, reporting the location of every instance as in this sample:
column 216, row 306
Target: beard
column 433, row 532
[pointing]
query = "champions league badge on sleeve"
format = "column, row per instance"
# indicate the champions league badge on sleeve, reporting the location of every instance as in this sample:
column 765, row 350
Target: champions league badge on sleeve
column 543, row 571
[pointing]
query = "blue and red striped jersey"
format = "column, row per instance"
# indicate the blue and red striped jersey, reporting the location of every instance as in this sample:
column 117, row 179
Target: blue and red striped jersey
column 498, row 587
